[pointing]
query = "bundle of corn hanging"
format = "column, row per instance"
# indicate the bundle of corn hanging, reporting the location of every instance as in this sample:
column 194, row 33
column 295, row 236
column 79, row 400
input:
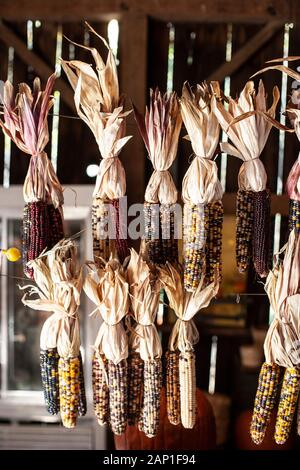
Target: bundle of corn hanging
column 293, row 112
column 247, row 123
column 181, row 375
column 99, row 105
column 145, row 368
column 59, row 280
column 160, row 132
column 293, row 181
column 281, row 348
column 201, row 190
column 108, row 289
column 24, row 121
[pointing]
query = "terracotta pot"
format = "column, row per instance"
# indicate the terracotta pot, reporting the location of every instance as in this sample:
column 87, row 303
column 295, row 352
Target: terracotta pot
column 170, row 437
column 242, row 434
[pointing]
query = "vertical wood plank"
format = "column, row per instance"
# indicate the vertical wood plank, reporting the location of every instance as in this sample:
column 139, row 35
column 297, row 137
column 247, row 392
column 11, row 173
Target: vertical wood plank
column 133, row 80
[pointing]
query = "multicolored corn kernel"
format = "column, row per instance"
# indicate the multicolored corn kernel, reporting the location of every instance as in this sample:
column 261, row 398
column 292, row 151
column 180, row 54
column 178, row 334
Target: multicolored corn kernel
column 49, row 374
column 194, row 239
column 294, row 215
column 150, row 413
column 287, row 404
column 121, row 231
column 173, row 387
column 213, row 246
column 69, row 390
column 187, row 381
column 169, row 242
column 135, row 387
column 265, row 399
column 117, row 384
column 100, row 388
column 102, row 245
column 244, row 229
column 82, row 407
column 153, row 233
column 261, row 231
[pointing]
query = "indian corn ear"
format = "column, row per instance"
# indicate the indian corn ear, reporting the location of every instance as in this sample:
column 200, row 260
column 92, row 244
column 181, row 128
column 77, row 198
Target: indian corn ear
column 102, row 245
column 82, row 407
column 294, row 215
column 213, row 247
column 265, row 398
column 194, row 239
column 69, row 390
column 187, row 380
column 261, row 231
column 49, row 373
column 287, row 404
column 135, row 387
column 173, row 387
column 149, row 419
column 117, row 383
column 244, row 229
column 100, row 388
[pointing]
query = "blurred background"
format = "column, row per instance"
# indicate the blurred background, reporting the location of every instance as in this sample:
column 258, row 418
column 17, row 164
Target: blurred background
column 156, row 43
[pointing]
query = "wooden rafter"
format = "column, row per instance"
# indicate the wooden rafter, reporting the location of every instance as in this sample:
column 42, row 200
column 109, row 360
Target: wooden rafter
column 245, row 52
column 32, row 58
column 261, row 11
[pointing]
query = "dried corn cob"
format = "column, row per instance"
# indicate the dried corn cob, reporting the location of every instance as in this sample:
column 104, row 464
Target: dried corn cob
column 117, row 382
column 102, row 245
column 195, row 233
column 294, row 215
column 100, row 388
column 265, row 398
column 149, row 419
column 169, row 244
column 56, row 232
column 173, row 387
column 49, row 373
column 152, row 233
column 261, row 232
column 287, row 404
column 121, row 227
column 244, row 228
column 187, row 380
column 69, row 390
column 135, row 385
column 82, row 407
column 39, row 232
column 213, row 245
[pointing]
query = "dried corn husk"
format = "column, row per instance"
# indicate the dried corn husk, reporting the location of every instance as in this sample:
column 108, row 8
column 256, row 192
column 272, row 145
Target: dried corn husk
column 185, row 334
column 99, row 105
column 200, row 185
column 108, row 290
column 58, row 277
column 160, row 131
column 144, row 289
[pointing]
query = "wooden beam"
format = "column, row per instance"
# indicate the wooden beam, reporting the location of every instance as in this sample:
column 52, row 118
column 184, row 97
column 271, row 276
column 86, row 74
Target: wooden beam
column 260, row 11
column 31, row 58
column 133, row 82
column 245, row 52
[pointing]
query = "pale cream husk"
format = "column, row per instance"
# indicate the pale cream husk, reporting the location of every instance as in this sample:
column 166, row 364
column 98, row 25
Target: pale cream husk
column 200, row 184
column 144, row 291
column 185, row 305
column 108, row 290
column 100, row 106
column 248, row 135
column 59, row 280
column 282, row 286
